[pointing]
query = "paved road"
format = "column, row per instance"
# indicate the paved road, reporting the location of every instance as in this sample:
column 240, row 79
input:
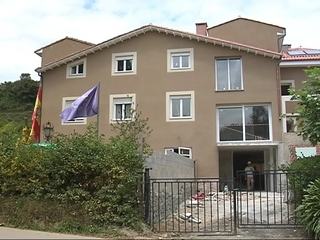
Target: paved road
column 13, row 233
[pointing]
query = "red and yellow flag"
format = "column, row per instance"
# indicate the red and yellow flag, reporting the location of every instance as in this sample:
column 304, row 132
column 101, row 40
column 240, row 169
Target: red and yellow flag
column 35, row 129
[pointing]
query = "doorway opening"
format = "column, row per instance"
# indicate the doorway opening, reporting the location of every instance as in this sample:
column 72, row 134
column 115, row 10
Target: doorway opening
column 240, row 159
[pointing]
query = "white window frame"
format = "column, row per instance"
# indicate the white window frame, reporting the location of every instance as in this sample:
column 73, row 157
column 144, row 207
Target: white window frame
column 112, row 108
column 243, row 120
column 123, row 56
column 77, row 63
column 180, row 52
column 287, row 82
column 77, row 121
column 179, row 149
column 170, row 95
column 185, row 155
column 216, row 74
column 167, row 150
column 284, row 99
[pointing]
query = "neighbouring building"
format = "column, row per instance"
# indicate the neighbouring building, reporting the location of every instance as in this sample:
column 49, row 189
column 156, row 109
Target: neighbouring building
column 216, row 96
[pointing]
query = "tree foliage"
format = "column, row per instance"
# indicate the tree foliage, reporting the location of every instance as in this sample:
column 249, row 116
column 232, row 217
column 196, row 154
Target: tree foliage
column 99, row 177
column 309, row 211
column 301, row 173
column 308, row 98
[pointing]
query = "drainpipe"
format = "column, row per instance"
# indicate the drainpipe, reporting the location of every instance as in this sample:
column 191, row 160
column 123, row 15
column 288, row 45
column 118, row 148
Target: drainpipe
column 278, row 75
column 280, row 38
column 278, row 79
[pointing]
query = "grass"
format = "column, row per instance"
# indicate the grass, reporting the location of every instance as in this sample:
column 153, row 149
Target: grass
column 50, row 216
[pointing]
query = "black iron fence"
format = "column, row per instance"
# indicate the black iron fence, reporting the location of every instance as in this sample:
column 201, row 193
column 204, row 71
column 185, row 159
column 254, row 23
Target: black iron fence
column 192, row 205
column 268, row 198
column 220, row 205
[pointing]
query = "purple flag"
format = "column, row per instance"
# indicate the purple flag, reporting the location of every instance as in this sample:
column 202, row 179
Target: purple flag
column 85, row 106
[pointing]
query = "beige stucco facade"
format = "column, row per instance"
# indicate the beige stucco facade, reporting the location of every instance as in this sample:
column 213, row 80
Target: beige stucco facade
column 152, row 81
column 252, row 33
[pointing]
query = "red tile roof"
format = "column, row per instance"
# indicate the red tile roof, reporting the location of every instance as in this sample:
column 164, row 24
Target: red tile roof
column 287, row 57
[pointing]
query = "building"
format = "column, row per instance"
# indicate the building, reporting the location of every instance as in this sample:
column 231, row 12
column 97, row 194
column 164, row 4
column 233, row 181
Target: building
column 216, row 95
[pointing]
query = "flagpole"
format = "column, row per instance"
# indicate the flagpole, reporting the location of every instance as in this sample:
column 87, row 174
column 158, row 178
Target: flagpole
column 40, row 85
column 98, row 122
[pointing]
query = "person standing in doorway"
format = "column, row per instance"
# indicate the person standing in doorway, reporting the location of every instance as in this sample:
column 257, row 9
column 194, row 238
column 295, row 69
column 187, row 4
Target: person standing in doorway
column 249, row 173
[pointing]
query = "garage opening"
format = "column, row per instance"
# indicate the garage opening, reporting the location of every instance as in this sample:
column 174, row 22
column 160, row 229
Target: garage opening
column 240, row 159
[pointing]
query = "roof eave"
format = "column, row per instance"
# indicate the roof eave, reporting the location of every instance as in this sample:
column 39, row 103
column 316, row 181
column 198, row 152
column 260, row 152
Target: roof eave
column 148, row 28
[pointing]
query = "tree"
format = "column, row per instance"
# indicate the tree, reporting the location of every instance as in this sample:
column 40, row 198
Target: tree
column 17, row 99
column 308, row 108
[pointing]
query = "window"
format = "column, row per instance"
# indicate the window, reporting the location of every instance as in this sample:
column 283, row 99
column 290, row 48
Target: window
column 180, row 59
column 244, row 123
column 183, row 151
column 66, row 102
column 228, row 74
column 180, row 106
column 121, row 106
column 285, row 86
column 291, row 124
column 302, row 152
column 124, row 63
column 77, row 69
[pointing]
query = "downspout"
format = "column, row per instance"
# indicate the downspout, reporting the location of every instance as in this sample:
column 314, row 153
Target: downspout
column 280, row 38
column 278, row 75
column 41, row 85
column 278, row 79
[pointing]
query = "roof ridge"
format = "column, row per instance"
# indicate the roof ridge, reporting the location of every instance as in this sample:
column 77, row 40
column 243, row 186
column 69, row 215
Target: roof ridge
column 152, row 27
column 60, row 40
column 248, row 19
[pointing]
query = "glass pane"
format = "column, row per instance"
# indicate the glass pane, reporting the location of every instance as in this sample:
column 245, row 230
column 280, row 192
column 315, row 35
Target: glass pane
column 129, row 65
column 257, row 123
column 230, row 124
column 127, row 111
column 68, row 103
column 222, row 74
column 184, row 151
column 74, row 70
column 175, row 62
column 175, row 104
column 235, row 74
column 120, row 65
column 185, row 61
column 186, row 107
column 80, row 68
column 118, row 111
column 285, row 90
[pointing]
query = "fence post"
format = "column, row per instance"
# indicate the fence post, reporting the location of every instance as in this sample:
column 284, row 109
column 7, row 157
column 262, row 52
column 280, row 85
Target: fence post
column 147, row 192
column 235, row 202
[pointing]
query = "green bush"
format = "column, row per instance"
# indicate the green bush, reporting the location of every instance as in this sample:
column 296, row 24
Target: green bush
column 300, row 173
column 99, row 177
column 308, row 212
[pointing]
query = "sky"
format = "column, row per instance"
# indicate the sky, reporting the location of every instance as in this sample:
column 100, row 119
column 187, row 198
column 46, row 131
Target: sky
column 27, row 25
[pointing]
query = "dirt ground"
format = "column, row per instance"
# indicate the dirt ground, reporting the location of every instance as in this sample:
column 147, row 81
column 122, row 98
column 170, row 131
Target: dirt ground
column 261, row 215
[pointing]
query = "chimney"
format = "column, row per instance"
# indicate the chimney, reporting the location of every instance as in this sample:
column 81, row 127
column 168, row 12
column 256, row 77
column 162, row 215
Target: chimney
column 285, row 47
column 201, row 28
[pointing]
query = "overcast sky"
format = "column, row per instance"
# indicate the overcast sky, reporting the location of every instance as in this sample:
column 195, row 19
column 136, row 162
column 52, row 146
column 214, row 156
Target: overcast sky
column 26, row 25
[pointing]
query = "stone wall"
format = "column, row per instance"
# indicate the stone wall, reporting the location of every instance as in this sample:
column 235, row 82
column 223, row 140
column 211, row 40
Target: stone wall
column 170, row 165
column 172, row 182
